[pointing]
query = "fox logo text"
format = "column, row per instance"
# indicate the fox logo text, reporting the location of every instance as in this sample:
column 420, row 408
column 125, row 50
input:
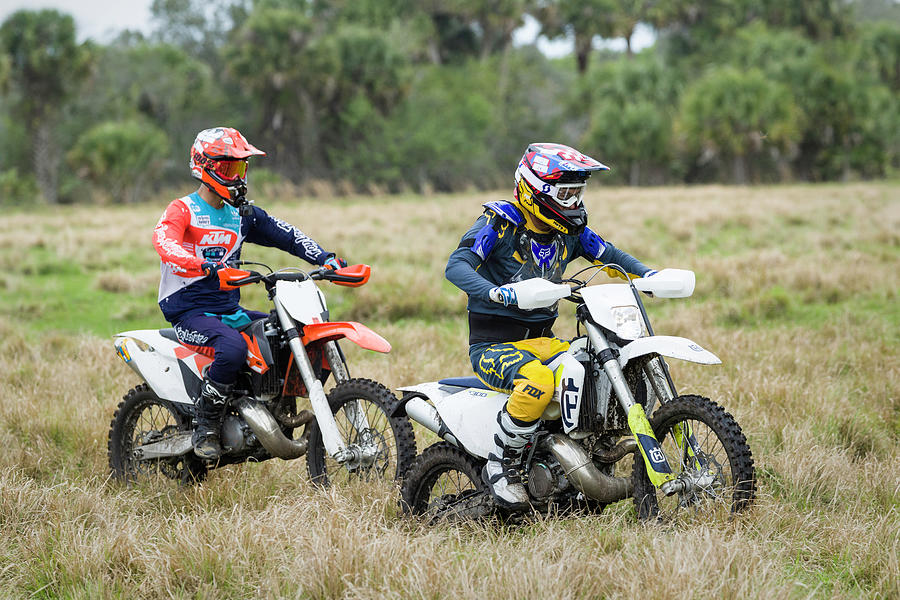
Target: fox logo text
column 532, row 391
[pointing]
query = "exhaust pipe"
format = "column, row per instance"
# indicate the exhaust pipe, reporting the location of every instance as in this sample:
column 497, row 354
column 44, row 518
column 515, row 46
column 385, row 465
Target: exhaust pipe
column 582, row 473
column 269, row 433
column 614, row 455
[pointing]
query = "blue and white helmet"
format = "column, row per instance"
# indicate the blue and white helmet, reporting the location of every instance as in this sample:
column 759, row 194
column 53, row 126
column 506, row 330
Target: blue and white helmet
column 550, row 182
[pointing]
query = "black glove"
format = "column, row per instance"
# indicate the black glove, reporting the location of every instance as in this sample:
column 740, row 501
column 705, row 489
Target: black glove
column 211, row 268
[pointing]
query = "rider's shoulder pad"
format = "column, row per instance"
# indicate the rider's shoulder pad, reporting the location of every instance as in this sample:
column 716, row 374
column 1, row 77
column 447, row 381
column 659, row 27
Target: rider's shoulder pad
column 507, row 210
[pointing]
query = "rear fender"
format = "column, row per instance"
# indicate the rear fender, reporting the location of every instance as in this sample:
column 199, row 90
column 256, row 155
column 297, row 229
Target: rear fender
column 669, row 346
column 355, row 332
column 471, row 416
column 162, row 363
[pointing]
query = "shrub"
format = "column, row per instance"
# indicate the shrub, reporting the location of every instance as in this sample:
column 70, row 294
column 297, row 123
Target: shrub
column 121, row 158
column 16, row 188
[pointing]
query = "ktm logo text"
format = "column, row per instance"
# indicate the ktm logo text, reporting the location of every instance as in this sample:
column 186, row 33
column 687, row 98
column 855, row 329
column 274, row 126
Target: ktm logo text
column 216, row 237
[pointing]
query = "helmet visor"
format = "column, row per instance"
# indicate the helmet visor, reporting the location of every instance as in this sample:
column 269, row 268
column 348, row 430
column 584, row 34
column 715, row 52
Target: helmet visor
column 231, row 169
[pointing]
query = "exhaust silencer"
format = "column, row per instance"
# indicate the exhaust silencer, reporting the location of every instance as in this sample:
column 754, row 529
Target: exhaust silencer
column 582, row 473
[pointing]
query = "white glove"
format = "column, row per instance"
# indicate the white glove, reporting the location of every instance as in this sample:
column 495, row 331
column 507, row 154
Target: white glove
column 650, row 273
column 504, row 295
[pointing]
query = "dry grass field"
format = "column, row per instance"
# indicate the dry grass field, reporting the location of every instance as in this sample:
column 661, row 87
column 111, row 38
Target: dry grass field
column 798, row 291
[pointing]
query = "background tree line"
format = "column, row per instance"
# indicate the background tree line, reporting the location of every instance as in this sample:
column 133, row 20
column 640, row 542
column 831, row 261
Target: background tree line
column 418, row 95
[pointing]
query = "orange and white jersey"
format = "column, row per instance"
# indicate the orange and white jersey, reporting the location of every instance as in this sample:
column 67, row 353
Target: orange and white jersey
column 191, row 232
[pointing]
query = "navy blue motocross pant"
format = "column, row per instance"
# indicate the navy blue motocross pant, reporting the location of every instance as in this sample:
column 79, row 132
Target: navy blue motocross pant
column 208, row 335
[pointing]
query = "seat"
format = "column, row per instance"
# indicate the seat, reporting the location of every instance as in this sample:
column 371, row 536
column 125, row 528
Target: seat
column 169, row 334
column 464, row 382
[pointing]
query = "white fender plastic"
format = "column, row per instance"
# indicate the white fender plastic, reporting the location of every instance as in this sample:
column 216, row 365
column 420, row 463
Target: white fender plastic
column 670, row 346
column 430, row 390
column 157, row 364
column 471, row 415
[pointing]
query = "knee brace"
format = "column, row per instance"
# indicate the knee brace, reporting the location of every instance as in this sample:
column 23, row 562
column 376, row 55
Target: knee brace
column 533, row 391
column 568, row 376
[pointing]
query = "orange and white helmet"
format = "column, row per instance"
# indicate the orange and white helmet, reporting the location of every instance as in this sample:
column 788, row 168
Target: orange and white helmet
column 219, row 160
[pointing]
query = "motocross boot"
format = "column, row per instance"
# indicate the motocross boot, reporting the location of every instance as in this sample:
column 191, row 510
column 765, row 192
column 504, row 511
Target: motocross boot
column 210, row 410
column 502, row 473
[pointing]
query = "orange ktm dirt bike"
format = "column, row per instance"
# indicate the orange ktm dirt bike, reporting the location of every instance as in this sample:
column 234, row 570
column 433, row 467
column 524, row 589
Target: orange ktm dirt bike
column 348, row 433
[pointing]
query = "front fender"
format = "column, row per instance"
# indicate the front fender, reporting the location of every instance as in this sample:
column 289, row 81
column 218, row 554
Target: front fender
column 670, row 346
column 355, row 332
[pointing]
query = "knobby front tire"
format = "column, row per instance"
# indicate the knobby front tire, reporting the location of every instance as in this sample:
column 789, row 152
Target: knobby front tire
column 388, row 442
column 726, row 465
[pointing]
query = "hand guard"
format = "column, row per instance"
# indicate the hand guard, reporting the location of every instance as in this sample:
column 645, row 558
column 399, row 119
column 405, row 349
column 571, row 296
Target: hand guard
column 504, row 295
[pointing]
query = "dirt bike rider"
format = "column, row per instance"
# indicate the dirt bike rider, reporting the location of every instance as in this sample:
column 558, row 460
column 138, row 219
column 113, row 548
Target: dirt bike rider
column 537, row 235
column 194, row 237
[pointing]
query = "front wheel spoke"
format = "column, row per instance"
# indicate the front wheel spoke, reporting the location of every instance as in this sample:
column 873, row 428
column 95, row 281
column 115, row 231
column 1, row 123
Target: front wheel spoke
column 371, row 440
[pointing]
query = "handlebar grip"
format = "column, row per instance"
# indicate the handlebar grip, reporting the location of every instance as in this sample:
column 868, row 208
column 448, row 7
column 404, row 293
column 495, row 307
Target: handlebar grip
column 352, row 276
column 244, row 280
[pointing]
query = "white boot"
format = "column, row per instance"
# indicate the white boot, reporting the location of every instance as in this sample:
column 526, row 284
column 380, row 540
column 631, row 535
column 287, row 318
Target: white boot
column 502, row 471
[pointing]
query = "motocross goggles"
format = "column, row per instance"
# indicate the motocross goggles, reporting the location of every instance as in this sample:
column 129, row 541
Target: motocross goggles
column 566, row 195
column 230, row 170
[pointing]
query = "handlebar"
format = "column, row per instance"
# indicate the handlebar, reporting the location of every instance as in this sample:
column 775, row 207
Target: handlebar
column 232, row 278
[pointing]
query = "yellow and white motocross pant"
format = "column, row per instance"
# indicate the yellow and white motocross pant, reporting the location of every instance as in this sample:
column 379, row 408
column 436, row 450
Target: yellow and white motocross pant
column 520, row 369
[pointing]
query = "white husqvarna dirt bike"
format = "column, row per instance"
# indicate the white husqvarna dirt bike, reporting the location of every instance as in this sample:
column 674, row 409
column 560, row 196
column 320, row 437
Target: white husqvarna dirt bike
column 290, row 355
column 691, row 455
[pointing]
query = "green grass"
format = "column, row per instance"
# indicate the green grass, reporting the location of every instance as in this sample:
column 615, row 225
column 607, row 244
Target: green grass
column 68, row 300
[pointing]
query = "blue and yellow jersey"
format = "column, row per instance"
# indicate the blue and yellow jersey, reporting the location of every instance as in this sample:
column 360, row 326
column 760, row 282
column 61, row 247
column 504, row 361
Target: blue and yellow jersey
column 499, row 249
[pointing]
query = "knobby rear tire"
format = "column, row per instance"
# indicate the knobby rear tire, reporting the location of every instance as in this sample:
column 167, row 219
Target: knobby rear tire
column 142, row 414
column 444, row 484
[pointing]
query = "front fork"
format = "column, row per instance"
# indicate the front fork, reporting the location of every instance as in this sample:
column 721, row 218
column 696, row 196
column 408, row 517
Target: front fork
column 658, row 469
column 331, row 437
column 663, row 388
column 354, row 412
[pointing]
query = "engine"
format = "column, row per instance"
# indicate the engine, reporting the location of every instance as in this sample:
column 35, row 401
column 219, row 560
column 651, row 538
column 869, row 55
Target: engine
column 545, row 478
column 236, row 435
